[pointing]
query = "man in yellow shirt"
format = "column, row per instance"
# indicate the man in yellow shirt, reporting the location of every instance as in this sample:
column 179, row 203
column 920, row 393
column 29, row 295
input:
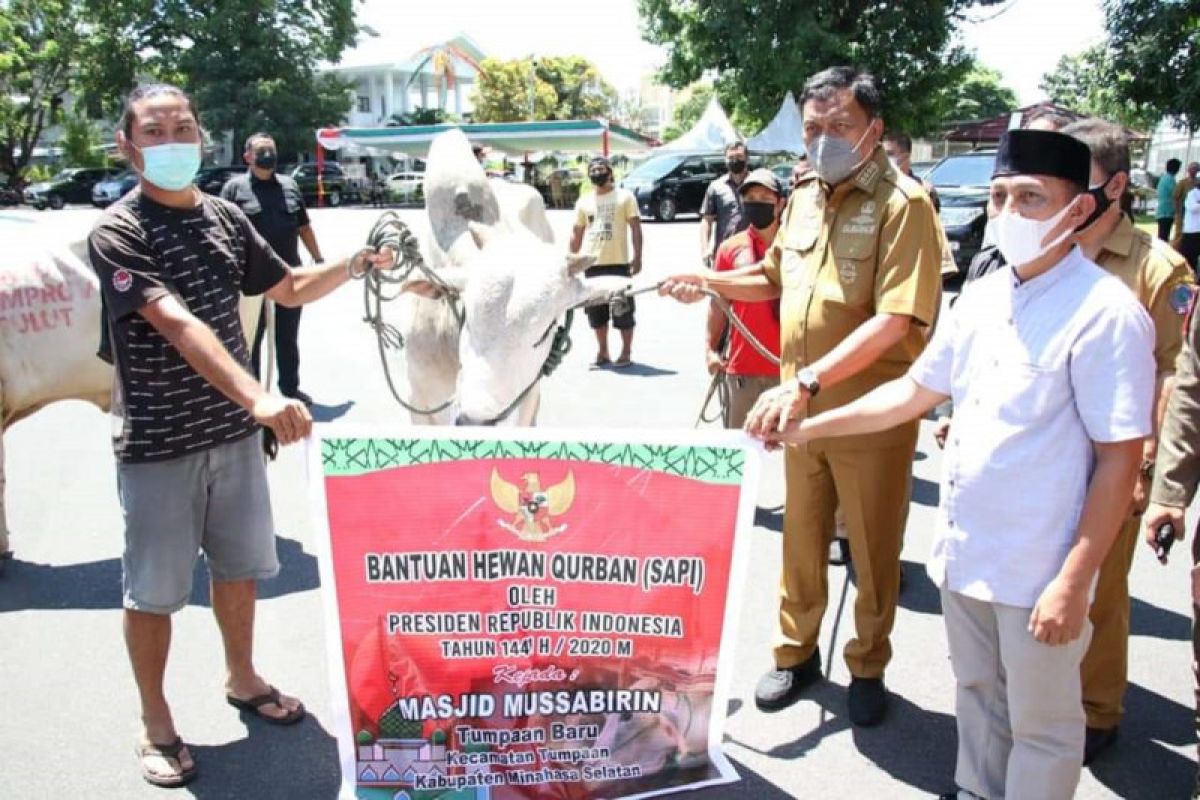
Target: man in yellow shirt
column 603, row 222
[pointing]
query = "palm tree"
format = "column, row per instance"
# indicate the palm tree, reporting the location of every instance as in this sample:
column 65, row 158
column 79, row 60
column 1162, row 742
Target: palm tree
column 442, row 58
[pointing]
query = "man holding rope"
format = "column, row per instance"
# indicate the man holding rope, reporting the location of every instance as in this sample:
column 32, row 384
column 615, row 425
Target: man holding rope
column 188, row 415
column 857, row 266
column 745, row 372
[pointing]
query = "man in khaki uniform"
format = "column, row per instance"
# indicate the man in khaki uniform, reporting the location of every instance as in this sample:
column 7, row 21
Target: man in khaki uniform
column 1181, row 189
column 856, row 264
column 1163, row 284
column 1178, row 474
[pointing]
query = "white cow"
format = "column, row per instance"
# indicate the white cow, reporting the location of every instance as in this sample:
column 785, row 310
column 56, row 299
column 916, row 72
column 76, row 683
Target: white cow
column 49, row 332
column 491, row 242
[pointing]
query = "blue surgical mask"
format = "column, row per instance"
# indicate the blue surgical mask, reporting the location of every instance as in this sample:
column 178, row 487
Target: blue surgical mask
column 833, row 158
column 171, row 166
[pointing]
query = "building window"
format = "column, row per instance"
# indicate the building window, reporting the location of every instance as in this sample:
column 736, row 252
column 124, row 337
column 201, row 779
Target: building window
column 364, row 104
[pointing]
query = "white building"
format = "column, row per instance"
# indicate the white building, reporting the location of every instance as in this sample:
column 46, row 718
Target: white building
column 1167, row 142
column 441, row 76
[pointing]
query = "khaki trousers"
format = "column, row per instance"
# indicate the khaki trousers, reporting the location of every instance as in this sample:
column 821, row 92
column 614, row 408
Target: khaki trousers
column 872, row 487
column 1105, row 667
column 1020, row 722
column 743, row 392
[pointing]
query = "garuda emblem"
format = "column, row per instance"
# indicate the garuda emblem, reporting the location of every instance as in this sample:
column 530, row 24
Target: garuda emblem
column 533, row 508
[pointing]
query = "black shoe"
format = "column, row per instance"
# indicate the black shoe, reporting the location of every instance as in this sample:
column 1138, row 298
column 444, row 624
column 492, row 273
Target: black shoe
column 867, row 702
column 1096, row 741
column 296, row 394
column 779, row 688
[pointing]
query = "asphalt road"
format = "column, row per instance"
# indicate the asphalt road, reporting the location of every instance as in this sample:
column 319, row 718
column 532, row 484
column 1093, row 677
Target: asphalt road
column 68, row 715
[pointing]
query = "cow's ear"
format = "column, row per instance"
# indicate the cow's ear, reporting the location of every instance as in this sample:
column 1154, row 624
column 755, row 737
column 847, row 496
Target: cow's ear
column 577, row 263
column 482, row 234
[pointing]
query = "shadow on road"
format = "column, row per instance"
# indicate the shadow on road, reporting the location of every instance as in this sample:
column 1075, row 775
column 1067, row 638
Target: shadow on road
column 914, row 746
column 1140, row 766
column 96, row 585
column 269, row 763
column 642, row 370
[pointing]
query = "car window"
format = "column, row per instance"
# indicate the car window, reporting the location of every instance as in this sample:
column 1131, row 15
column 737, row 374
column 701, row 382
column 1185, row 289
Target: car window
column 305, row 172
column 966, row 170
column 714, row 166
column 691, row 168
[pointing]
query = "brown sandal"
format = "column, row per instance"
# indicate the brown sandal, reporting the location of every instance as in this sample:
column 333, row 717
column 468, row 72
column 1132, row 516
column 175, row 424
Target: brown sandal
column 254, row 706
column 167, row 752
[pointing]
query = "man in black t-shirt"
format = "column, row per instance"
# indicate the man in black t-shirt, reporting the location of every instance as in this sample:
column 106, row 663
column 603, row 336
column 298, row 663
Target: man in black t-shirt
column 171, row 262
column 275, row 207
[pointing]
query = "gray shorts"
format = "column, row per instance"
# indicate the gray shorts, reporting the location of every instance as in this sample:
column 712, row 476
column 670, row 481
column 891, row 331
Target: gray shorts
column 215, row 501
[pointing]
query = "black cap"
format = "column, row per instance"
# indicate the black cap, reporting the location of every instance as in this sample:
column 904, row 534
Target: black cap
column 599, row 161
column 1026, row 152
column 761, row 177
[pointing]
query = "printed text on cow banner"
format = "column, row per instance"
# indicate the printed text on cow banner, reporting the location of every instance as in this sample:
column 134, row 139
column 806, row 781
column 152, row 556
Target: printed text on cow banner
column 529, row 618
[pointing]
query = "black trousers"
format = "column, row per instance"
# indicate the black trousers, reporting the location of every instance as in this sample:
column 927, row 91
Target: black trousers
column 1189, row 248
column 287, row 349
column 1164, row 228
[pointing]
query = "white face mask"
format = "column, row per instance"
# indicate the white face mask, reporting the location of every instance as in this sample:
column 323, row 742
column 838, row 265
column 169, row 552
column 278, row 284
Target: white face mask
column 1021, row 240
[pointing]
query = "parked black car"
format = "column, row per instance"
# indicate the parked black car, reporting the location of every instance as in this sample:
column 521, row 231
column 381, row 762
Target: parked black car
column 963, row 184
column 333, row 181
column 212, row 179
column 671, row 184
column 69, row 186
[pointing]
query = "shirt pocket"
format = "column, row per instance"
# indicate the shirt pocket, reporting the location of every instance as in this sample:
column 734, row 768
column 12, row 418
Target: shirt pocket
column 852, row 279
column 1027, row 392
column 797, row 253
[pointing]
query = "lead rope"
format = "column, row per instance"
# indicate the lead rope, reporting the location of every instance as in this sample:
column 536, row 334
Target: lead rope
column 717, row 386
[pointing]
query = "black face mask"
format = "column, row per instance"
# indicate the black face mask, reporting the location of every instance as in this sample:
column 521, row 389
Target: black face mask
column 598, row 178
column 265, row 159
column 1103, row 202
column 760, row 215
column 736, row 165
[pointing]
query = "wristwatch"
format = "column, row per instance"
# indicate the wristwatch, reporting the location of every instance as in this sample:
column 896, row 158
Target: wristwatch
column 807, row 380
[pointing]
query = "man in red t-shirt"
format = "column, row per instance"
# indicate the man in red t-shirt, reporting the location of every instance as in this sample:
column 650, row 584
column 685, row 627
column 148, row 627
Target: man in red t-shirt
column 747, row 372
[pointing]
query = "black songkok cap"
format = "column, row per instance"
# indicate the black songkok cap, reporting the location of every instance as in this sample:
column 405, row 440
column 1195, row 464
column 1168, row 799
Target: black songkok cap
column 1026, row 152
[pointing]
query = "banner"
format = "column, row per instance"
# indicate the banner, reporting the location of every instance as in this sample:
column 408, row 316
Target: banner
column 527, row 614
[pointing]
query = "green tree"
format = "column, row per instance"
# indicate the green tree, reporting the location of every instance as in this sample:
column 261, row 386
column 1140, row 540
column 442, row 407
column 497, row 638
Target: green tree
column 762, row 48
column 688, row 113
column 1155, row 49
column 40, row 42
column 582, row 93
column 1090, row 83
column 251, row 65
column 979, row 95
column 502, row 92
column 81, row 146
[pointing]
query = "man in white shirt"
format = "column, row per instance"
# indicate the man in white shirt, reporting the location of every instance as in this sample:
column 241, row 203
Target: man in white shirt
column 1050, row 363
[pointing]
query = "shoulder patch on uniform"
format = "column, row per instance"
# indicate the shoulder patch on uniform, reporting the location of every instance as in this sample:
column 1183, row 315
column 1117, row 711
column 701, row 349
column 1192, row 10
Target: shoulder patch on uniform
column 1182, row 298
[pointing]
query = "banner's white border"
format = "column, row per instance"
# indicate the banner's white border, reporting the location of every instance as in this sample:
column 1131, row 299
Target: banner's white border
column 747, row 502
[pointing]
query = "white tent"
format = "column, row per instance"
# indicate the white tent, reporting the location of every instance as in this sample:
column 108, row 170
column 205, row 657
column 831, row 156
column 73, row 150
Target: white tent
column 711, row 132
column 784, row 134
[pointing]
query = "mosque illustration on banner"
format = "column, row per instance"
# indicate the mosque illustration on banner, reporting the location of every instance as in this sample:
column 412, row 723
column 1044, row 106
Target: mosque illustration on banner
column 387, row 768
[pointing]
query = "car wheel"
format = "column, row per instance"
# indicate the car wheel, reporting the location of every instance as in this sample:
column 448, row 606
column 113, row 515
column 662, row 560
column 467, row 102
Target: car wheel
column 57, row 202
column 665, row 210
column 334, row 198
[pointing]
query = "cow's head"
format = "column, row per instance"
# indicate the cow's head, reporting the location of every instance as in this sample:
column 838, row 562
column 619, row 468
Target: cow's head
column 515, row 290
